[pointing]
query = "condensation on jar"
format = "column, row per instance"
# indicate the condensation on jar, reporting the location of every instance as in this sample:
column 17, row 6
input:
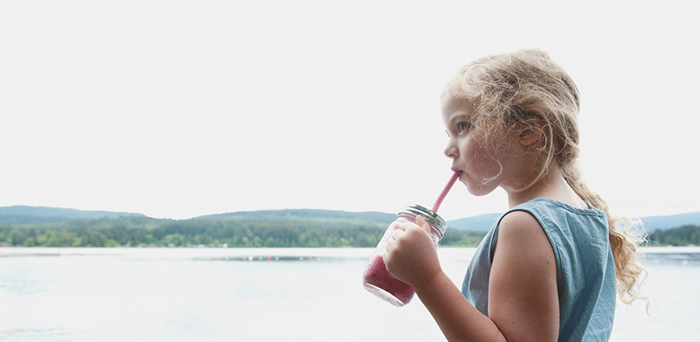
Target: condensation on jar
column 377, row 279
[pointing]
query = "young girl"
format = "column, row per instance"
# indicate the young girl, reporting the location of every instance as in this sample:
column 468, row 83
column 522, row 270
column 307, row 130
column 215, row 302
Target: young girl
column 549, row 267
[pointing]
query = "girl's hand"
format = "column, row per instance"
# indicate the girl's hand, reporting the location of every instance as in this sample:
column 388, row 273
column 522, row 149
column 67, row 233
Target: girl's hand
column 411, row 255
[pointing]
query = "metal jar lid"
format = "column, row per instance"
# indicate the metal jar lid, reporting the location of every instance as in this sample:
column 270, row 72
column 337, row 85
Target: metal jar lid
column 430, row 216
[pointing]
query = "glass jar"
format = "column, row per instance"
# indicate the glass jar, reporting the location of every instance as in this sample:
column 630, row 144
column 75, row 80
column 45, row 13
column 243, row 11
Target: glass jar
column 377, row 279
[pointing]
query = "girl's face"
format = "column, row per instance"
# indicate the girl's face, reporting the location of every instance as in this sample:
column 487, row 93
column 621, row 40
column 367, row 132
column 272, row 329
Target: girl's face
column 481, row 173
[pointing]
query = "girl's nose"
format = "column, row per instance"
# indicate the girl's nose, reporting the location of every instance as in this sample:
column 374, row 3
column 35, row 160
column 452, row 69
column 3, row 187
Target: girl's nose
column 451, row 150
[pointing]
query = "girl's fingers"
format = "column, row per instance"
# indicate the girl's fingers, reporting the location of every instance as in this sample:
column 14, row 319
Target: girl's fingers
column 391, row 243
column 420, row 221
column 395, row 236
column 406, row 225
column 396, row 233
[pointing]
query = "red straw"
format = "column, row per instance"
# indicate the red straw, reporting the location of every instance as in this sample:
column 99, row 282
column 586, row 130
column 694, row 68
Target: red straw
column 447, row 188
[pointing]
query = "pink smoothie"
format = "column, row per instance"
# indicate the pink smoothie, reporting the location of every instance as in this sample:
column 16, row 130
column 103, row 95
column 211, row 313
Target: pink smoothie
column 381, row 283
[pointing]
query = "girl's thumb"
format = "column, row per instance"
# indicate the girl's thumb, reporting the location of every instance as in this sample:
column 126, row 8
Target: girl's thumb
column 420, row 221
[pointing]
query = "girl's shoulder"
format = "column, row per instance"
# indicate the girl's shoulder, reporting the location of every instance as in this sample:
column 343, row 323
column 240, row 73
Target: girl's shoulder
column 548, row 206
column 560, row 222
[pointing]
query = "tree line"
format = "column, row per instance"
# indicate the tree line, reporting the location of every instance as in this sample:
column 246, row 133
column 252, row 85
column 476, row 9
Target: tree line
column 246, row 231
column 682, row 236
column 209, row 232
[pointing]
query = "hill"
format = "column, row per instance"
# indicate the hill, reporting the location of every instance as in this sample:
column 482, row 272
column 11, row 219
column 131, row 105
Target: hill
column 270, row 228
column 314, row 214
column 480, row 223
column 671, row 221
column 20, row 214
column 27, row 215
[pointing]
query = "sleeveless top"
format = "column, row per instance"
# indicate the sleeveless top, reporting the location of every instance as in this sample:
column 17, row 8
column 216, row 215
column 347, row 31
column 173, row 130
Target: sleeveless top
column 586, row 280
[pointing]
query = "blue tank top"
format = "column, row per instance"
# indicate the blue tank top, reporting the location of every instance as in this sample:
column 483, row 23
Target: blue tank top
column 585, row 268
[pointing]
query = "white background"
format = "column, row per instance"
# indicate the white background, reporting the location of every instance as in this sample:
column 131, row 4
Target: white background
column 183, row 108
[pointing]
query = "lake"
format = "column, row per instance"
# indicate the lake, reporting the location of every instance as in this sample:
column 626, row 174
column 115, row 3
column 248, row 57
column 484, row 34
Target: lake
column 208, row 294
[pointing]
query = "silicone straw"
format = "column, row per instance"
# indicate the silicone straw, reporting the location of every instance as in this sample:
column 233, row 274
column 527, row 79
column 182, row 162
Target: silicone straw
column 447, row 188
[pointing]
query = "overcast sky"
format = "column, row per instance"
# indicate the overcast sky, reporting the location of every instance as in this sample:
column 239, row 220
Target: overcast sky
column 184, row 108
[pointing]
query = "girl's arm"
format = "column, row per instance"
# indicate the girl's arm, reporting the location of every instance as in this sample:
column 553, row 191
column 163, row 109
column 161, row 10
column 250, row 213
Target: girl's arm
column 523, row 300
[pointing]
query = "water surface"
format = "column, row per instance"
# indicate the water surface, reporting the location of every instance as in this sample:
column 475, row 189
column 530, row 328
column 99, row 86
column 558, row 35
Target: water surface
column 93, row 294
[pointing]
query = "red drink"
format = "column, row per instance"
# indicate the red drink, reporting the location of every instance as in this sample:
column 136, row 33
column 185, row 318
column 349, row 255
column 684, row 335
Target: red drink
column 382, row 284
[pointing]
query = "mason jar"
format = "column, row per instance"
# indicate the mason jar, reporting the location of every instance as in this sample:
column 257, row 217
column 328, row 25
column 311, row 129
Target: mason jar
column 377, row 279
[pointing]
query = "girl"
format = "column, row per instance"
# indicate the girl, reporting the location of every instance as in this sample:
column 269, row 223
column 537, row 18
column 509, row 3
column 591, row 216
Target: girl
column 548, row 268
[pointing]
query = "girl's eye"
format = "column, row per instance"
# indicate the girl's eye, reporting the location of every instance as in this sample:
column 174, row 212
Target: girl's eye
column 462, row 126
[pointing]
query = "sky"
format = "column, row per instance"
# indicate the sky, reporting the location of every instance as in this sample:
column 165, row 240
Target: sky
column 176, row 109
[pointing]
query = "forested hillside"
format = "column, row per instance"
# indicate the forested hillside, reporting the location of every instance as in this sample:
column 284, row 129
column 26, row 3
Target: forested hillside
column 269, row 228
column 293, row 228
column 681, row 236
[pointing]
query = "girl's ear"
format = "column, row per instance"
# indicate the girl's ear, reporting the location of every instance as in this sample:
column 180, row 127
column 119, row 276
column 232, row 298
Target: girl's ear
column 530, row 136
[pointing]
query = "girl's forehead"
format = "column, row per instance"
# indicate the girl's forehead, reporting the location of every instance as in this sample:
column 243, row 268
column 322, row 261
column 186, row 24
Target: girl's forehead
column 452, row 106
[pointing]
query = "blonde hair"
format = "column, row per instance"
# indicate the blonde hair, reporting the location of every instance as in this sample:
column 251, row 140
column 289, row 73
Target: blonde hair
column 526, row 91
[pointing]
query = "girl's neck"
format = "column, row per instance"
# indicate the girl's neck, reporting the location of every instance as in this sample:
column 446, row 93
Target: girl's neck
column 553, row 186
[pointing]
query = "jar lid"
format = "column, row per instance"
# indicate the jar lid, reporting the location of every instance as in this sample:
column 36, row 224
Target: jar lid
column 430, row 216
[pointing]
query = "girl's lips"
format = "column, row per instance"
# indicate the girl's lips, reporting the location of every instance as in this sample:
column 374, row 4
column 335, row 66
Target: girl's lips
column 461, row 173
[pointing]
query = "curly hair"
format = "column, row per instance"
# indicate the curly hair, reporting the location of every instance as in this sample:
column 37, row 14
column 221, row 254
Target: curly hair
column 526, row 91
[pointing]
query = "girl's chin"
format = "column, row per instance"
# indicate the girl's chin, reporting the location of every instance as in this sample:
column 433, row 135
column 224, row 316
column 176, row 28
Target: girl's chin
column 478, row 189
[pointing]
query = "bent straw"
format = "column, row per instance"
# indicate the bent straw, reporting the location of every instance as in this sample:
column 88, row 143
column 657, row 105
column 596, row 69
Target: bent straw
column 444, row 192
